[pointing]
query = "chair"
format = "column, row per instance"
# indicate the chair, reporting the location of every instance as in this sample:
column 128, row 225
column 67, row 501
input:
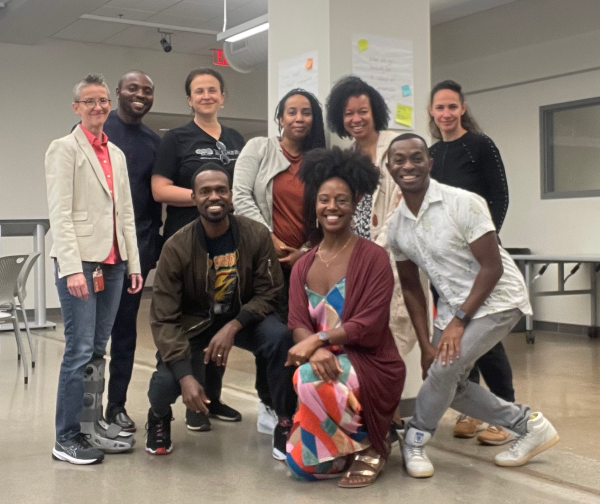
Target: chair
column 10, row 268
column 21, row 293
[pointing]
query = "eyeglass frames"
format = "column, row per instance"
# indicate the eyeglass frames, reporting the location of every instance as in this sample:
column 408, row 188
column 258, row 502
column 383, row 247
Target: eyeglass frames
column 91, row 102
column 223, row 157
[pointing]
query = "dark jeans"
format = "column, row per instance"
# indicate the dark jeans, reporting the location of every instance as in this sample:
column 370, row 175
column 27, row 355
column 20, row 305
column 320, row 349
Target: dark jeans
column 493, row 366
column 87, row 328
column 269, row 341
column 496, row 371
column 123, row 340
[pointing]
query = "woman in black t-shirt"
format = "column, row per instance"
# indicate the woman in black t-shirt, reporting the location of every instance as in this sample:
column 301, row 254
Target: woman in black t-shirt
column 466, row 158
column 185, row 148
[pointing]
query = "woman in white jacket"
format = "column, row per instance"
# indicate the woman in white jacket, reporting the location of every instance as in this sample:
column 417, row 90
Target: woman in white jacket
column 265, row 185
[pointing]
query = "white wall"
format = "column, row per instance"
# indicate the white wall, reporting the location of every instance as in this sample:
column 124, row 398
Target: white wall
column 36, row 83
column 510, row 61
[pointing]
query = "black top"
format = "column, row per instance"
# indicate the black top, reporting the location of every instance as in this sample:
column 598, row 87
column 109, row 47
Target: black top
column 182, row 151
column 472, row 162
column 139, row 144
column 223, row 260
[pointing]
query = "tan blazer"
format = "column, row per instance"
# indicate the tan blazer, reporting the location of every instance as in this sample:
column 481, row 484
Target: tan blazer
column 81, row 207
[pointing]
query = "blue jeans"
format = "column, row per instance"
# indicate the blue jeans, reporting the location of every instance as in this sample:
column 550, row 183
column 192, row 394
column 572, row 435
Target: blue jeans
column 87, row 328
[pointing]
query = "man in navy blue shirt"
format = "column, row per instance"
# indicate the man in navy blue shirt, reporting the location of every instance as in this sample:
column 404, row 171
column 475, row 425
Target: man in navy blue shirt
column 135, row 93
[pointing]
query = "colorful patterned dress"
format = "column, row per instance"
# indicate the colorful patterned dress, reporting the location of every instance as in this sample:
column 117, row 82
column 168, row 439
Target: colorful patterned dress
column 328, row 426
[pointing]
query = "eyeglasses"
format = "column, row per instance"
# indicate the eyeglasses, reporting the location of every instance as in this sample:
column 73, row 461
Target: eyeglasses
column 91, row 102
column 223, row 157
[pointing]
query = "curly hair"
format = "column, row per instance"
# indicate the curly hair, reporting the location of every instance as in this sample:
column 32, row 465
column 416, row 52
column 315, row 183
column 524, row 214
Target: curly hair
column 316, row 136
column 320, row 165
column 345, row 88
column 466, row 121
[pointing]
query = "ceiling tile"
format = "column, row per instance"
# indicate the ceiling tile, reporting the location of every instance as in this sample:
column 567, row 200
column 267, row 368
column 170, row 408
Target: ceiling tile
column 215, row 24
column 136, row 15
column 145, row 5
column 136, row 36
column 85, row 30
column 178, row 21
column 246, row 12
column 231, row 4
column 194, row 10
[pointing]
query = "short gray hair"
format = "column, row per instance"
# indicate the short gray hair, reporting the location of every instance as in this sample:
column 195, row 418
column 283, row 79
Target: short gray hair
column 90, row 80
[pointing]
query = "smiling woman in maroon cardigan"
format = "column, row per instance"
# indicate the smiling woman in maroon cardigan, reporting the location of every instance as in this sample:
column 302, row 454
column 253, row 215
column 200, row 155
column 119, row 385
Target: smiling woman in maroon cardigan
column 350, row 374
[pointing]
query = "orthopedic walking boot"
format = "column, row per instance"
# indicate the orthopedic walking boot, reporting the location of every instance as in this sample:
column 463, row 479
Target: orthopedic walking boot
column 110, row 438
column 540, row 436
column 416, row 461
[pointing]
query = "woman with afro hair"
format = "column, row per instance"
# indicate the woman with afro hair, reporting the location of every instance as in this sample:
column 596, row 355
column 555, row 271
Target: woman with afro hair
column 350, row 374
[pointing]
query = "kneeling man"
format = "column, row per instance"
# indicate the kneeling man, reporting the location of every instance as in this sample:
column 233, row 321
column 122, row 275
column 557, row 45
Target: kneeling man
column 449, row 233
column 217, row 284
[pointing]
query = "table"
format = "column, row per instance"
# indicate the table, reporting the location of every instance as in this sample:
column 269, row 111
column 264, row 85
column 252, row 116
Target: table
column 560, row 260
column 37, row 229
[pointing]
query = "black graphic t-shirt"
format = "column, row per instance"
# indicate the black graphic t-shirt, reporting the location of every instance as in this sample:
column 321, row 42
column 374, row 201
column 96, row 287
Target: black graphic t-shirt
column 223, row 259
column 185, row 149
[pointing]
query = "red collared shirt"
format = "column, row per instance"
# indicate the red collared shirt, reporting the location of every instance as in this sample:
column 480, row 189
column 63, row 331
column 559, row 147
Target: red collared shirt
column 100, row 147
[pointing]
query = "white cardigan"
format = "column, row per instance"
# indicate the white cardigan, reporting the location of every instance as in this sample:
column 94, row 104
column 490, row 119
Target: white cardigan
column 259, row 162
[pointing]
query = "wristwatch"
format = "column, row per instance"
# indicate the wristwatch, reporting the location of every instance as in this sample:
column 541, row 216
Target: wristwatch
column 323, row 338
column 462, row 316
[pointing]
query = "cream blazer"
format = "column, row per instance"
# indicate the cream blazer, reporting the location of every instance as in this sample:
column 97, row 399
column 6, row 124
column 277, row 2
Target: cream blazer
column 81, row 207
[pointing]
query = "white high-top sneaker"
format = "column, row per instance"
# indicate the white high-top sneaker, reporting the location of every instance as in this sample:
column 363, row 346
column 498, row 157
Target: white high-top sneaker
column 266, row 420
column 416, row 461
column 540, row 436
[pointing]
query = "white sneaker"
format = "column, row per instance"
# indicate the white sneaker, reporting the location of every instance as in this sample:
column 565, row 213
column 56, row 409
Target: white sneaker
column 416, row 461
column 540, row 436
column 267, row 419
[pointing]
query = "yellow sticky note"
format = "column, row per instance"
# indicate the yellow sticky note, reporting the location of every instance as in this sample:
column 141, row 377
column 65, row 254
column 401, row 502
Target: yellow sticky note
column 404, row 115
column 309, row 63
column 363, row 45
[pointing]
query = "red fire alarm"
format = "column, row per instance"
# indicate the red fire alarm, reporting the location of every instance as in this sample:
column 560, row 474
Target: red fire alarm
column 219, row 57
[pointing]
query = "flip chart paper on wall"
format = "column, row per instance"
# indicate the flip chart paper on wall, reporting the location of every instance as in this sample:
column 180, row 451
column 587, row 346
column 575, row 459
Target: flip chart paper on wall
column 299, row 72
column 387, row 64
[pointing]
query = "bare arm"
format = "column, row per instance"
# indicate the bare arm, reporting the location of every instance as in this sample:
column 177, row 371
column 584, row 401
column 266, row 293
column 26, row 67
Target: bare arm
column 165, row 191
column 416, row 304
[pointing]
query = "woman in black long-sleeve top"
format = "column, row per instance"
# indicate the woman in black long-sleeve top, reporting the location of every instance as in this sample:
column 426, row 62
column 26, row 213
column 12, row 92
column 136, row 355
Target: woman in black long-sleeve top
column 466, row 158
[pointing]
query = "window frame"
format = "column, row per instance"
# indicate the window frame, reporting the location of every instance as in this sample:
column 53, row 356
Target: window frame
column 547, row 149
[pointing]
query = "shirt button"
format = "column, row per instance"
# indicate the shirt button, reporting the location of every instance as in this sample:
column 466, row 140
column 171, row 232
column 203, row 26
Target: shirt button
column 108, row 176
column 104, row 161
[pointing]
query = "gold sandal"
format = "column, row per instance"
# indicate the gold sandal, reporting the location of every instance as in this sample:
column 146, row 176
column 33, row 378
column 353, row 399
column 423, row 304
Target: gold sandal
column 376, row 465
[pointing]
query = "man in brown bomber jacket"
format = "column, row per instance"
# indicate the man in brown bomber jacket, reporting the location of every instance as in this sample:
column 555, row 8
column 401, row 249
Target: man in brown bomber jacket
column 217, row 284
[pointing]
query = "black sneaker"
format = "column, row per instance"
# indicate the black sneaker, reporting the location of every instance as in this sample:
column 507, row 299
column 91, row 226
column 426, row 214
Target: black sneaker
column 77, row 451
column 217, row 409
column 197, row 421
column 158, row 434
column 116, row 414
column 280, row 437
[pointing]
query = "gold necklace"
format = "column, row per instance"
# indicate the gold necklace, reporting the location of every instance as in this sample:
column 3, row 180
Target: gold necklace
column 326, row 263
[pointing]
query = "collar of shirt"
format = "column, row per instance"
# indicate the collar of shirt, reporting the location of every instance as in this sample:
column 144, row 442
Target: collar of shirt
column 432, row 195
column 93, row 139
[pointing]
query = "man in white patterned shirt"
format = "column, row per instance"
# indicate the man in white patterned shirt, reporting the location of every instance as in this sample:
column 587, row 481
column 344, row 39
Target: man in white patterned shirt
column 449, row 233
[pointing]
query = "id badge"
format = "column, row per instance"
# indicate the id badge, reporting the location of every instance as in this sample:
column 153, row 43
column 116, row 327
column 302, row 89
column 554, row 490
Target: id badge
column 98, row 279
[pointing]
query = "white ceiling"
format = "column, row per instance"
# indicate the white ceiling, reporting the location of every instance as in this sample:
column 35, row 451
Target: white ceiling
column 31, row 21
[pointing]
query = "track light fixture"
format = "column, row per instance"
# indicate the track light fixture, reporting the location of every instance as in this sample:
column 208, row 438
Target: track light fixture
column 165, row 41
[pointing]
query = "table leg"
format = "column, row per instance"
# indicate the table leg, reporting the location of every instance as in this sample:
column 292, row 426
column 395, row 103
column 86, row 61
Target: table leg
column 39, row 245
column 593, row 331
column 529, row 337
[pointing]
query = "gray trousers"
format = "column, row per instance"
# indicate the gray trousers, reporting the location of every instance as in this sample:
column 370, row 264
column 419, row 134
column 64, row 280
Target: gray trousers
column 449, row 385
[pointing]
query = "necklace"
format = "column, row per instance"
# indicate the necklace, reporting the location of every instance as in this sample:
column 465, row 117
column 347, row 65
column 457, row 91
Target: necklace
column 326, row 263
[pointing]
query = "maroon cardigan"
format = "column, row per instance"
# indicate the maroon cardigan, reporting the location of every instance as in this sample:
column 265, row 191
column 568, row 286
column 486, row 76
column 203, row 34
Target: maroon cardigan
column 365, row 318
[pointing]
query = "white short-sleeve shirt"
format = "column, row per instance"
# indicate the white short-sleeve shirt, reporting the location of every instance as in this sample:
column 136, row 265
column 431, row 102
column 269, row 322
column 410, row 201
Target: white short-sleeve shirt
column 437, row 240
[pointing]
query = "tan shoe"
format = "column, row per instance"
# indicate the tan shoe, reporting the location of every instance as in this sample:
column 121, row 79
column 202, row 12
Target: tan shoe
column 495, row 436
column 467, row 427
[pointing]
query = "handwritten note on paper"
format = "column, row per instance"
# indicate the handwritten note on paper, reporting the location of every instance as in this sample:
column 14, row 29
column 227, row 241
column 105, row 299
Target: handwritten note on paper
column 404, row 115
column 299, row 72
column 388, row 66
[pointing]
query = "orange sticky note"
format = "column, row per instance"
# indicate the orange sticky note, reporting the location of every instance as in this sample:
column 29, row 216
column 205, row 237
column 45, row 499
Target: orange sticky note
column 309, row 63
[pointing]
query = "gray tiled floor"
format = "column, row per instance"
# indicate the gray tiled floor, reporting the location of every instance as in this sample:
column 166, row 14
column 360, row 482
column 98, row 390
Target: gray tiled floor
column 232, row 463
